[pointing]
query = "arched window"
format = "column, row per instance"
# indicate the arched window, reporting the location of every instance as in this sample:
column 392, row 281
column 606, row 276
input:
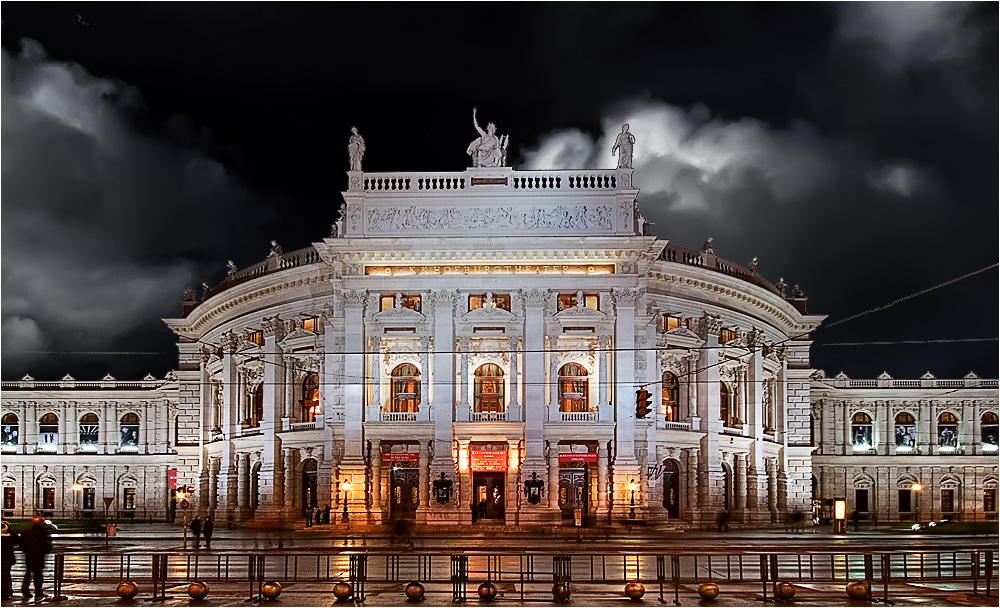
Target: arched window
column 405, row 395
column 670, row 399
column 573, row 382
column 725, row 398
column 48, row 432
column 906, row 432
column 129, row 432
column 90, row 432
column 310, row 397
column 947, row 432
column 255, row 408
column 9, row 430
column 861, row 431
column 987, row 430
column 488, row 389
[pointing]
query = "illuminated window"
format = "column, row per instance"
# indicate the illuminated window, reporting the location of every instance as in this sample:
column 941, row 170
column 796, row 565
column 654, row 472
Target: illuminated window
column 670, row 395
column 989, row 502
column 571, row 300
column 9, row 430
column 405, row 301
column 725, row 404
column 129, row 430
column 405, row 388
column 861, row 431
column 255, row 407
column 499, row 300
column 311, row 324
column 948, row 500
column 310, row 397
column 906, row 432
column 257, row 337
column 573, row 384
column 89, row 432
column 48, row 432
column 9, row 500
column 727, row 335
column 947, row 432
column 988, row 431
column 488, row 389
column 670, row 322
column 128, row 499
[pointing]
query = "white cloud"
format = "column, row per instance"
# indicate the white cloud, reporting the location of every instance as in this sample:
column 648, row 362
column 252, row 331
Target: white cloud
column 897, row 178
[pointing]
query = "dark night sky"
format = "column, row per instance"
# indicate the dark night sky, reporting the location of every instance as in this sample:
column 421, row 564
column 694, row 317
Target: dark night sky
column 853, row 148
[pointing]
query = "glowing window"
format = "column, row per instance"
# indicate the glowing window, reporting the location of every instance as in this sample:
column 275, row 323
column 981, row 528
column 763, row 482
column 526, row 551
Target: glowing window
column 48, row 431
column 947, row 432
column 670, row 395
column 310, row 397
column 573, row 388
column 405, row 395
column 906, row 432
column 129, row 430
column 988, row 431
column 499, row 300
column 488, row 389
column 670, row 322
column 9, row 430
column 311, row 324
column 89, row 430
column 861, row 431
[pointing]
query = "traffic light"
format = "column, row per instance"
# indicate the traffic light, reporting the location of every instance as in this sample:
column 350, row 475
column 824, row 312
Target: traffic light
column 641, row 403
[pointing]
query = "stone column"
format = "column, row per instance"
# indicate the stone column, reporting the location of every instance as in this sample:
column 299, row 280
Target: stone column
column 839, row 432
column 554, row 477
column 425, row 373
column 693, row 496
column 213, row 485
column 757, row 481
column 738, row 411
column 534, row 392
column 242, row 484
column 711, row 479
column 925, row 440
column 290, row 458
column 354, row 373
column 602, row 478
column 376, row 372
column 602, row 371
column 552, row 350
column 626, row 462
column 740, row 487
column 61, row 447
column 377, row 514
column 269, row 491
column 464, row 372
column 463, row 493
column 513, row 407
column 772, row 489
column 423, row 483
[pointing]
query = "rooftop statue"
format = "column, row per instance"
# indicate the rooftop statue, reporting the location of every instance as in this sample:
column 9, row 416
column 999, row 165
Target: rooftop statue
column 624, row 144
column 356, row 149
column 487, row 150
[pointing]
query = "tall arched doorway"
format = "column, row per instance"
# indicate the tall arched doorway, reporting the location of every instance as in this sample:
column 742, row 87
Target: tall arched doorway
column 671, row 488
column 309, row 498
column 727, row 491
column 255, row 487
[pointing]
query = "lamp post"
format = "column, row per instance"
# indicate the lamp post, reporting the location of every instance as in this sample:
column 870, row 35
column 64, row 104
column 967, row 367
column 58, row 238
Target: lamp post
column 181, row 495
column 839, row 516
column 346, row 487
column 917, row 487
column 632, row 487
column 77, row 488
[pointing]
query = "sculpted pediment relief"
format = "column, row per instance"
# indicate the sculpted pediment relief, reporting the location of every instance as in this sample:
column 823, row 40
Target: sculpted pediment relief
column 488, row 314
column 682, row 332
column 580, row 313
column 399, row 314
column 297, row 334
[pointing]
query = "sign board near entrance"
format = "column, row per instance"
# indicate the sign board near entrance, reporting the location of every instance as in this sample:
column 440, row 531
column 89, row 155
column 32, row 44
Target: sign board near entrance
column 578, row 457
column 171, row 479
column 488, row 460
column 400, row 457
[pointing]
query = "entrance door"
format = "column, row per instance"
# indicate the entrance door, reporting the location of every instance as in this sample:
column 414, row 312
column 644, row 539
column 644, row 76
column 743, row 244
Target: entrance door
column 671, row 488
column 573, row 491
column 309, row 498
column 48, row 501
column 861, row 502
column 404, row 486
column 488, row 496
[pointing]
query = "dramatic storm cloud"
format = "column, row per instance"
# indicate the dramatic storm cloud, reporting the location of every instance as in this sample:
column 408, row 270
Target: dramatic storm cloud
column 97, row 218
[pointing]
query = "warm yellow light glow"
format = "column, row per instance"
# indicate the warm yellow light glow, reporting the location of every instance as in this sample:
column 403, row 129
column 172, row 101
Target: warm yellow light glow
column 840, row 509
column 77, row 487
column 633, row 486
column 346, row 486
column 181, row 494
column 916, row 487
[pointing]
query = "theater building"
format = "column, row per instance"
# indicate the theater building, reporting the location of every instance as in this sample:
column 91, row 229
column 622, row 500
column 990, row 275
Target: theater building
column 467, row 347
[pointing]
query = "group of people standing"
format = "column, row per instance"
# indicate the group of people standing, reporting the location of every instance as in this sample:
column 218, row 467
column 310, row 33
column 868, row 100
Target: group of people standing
column 202, row 529
column 320, row 516
column 35, row 543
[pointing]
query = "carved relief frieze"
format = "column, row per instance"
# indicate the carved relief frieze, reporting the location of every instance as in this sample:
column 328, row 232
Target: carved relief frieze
column 708, row 325
column 273, row 326
column 627, row 297
column 354, row 298
column 561, row 217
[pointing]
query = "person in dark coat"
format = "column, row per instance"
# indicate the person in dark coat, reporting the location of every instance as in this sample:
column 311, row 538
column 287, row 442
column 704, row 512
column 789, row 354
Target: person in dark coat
column 196, row 530
column 326, row 514
column 206, row 530
column 36, row 543
column 10, row 540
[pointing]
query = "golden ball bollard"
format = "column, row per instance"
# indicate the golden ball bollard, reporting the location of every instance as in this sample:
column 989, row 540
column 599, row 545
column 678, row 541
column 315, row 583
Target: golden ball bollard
column 487, row 591
column 127, row 590
column 198, row 590
column 271, row 590
column 708, row 591
column 635, row 590
column 342, row 591
column 857, row 590
column 560, row 592
column 415, row 591
column 784, row 591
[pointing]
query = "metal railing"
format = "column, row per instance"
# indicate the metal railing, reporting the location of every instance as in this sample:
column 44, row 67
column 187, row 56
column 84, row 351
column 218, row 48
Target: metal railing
column 528, row 573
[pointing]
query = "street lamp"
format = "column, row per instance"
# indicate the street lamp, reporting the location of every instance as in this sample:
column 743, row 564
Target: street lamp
column 632, row 487
column 346, row 487
column 77, row 488
column 917, row 487
column 181, row 495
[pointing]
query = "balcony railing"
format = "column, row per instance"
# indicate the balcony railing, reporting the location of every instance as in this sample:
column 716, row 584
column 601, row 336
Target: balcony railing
column 677, row 426
column 597, row 179
column 691, row 257
column 488, row 416
column 399, row 416
column 578, row 416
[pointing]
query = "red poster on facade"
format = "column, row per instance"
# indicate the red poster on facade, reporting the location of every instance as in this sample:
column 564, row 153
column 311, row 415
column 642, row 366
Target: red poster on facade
column 578, row 457
column 400, row 457
column 488, row 460
column 171, row 479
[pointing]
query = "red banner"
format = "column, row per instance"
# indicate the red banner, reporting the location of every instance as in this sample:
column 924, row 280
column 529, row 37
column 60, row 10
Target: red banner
column 171, row 479
column 483, row 460
column 400, row 457
column 578, row 457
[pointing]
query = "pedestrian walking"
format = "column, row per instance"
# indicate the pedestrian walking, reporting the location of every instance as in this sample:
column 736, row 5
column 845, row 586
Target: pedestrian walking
column 196, row 531
column 10, row 540
column 326, row 515
column 856, row 518
column 36, row 543
column 723, row 521
column 206, row 530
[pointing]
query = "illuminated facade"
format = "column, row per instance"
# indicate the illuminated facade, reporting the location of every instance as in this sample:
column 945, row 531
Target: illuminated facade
column 465, row 347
